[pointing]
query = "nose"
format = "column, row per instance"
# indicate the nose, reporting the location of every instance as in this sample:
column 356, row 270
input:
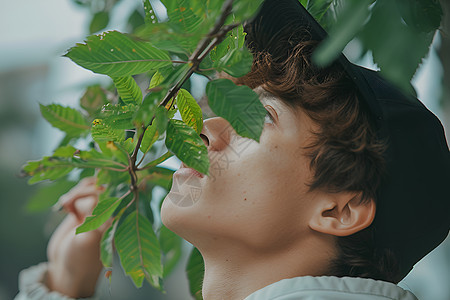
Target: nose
column 216, row 133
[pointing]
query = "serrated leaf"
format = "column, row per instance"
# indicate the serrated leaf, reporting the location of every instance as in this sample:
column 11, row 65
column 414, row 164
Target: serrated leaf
column 190, row 111
column 48, row 168
column 195, row 270
column 156, row 80
column 118, row 116
column 181, row 16
column 67, row 119
column 99, row 21
column 239, row 105
column 400, row 50
column 128, row 89
column 102, row 212
column 139, row 249
column 150, row 16
column 236, row 62
column 171, row 248
column 117, row 55
column 349, row 23
column 47, row 195
column 187, row 145
column 103, row 132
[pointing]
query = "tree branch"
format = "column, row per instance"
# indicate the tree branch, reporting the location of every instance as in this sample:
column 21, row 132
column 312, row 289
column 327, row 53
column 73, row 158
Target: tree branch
column 215, row 36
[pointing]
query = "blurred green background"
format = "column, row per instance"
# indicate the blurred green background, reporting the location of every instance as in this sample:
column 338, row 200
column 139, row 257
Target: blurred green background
column 33, row 36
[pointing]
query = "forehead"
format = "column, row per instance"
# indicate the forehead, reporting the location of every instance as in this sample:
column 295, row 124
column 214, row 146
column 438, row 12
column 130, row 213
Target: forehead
column 289, row 117
column 268, row 98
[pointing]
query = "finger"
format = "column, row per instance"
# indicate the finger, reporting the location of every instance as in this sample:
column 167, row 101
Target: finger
column 85, row 191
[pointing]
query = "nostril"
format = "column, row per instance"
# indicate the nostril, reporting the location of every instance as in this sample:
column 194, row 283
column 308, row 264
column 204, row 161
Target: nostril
column 205, row 139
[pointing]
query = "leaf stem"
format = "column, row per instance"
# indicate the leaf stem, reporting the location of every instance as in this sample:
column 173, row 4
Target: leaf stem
column 156, row 161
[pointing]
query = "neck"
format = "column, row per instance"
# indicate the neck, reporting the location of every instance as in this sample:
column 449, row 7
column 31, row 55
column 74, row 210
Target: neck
column 236, row 274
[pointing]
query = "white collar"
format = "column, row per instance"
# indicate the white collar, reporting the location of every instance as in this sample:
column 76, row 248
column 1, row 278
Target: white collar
column 333, row 288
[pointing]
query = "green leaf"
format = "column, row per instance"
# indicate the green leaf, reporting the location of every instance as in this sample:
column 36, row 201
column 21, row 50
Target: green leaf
column 145, row 113
column 158, row 176
column 93, row 100
column 236, row 62
column 150, row 16
column 159, row 160
column 190, row 111
column 112, row 178
column 317, row 8
column 128, row 89
column 187, row 145
column 181, row 17
column 421, row 15
column 106, row 246
column 118, row 116
column 173, row 74
column 349, row 23
column 139, row 250
column 171, row 247
column 66, row 119
column 103, row 132
column 195, row 270
column 150, row 137
column 128, row 145
column 51, row 168
column 47, row 195
column 156, row 80
column 117, row 55
column 220, row 50
column 111, row 151
column 102, row 212
column 239, row 105
column 159, row 34
column 99, row 21
column 100, row 159
column 397, row 48
column 65, row 151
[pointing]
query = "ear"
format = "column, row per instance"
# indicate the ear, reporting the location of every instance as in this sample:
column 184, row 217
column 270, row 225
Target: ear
column 342, row 214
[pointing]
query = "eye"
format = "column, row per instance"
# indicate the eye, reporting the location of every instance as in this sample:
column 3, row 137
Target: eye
column 268, row 118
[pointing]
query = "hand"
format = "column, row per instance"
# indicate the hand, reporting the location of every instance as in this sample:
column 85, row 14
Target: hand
column 74, row 260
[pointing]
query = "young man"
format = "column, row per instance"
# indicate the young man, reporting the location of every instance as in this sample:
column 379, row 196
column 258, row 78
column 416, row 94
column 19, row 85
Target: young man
column 347, row 184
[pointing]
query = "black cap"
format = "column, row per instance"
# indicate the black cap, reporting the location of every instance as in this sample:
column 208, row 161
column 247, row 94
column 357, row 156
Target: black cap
column 413, row 202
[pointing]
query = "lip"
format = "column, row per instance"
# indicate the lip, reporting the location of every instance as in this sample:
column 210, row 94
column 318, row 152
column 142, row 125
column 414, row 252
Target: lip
column 186, row 171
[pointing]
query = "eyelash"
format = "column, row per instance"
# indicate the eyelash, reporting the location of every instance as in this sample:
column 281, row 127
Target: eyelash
column 268, row 118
